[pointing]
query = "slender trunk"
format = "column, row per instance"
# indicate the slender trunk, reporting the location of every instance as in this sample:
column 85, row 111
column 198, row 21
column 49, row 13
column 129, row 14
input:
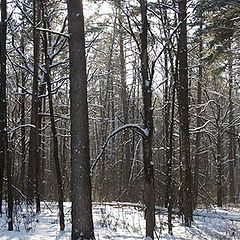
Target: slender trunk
column 22, row 120
column 3, row 102
column 33, row 164
column 169, row 180
column 198, row 156
column 231, row 156
column 82, row 221
column 124, row 95
column 219, row 170
column 149, row 195
column 54, row 133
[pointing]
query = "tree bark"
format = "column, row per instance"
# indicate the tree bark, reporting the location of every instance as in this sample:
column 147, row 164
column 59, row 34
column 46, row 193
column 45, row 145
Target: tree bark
column 4, row 151
column 149, row 195
column 33, row 164
column 54, row 133
column 183, row 100
column 231, row 152
column 198, row 157
column 3, row 97
column 82, row 222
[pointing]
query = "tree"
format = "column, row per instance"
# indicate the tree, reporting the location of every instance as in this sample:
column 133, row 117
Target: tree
column 4, row 151
column 48, row 62
column 149, row 195
column 34, row 154
column 3, row 102
column 82, row 222
column 183, row 101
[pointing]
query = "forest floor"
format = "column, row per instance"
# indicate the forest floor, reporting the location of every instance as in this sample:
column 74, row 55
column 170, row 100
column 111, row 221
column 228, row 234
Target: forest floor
column 117, row 221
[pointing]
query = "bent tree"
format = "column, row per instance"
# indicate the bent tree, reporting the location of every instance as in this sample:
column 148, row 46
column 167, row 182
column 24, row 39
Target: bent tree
column 82, row 222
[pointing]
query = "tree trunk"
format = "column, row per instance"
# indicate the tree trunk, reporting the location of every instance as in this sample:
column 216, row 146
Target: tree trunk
column 124, row 95
column 183, row 100
column 219, row 170
column 3, row 102
column 149, row 195
column 22, row 121
column 4, row 151
column 54, row 133
column 231, row 152
column 33, row 164
column 82, row 222
column 198, row 157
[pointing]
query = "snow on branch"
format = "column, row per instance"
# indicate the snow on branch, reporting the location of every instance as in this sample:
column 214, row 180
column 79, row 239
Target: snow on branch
column 197, row 129
column 21, row 126
column 140, row 130
column 54, row 32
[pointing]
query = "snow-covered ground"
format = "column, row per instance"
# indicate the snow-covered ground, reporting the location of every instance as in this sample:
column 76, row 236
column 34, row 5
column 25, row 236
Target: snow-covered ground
column 122, row 221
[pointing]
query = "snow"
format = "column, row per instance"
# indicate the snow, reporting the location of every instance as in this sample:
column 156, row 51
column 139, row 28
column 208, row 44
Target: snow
column 118, row 221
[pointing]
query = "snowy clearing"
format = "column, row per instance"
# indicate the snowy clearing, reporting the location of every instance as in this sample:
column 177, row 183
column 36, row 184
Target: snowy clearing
column 122, row 221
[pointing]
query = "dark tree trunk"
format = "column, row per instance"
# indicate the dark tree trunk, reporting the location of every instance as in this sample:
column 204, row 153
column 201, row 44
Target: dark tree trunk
column 198, row 157
column 183, row 100
column 33, row 164
column 149, row 195
column 82, row 222
column 22, row 121
column 3, row 97
column 231, row 152
column 4, row 151
column 54, row 133
column 219, row 170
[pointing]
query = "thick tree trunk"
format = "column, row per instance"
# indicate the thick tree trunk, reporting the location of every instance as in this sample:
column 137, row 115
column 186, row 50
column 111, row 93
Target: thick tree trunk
column 82, row 222
column 149, row 194
column 183, row 100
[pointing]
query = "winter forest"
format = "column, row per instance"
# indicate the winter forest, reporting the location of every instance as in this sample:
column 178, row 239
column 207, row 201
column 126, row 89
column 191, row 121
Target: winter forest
column 119, row 119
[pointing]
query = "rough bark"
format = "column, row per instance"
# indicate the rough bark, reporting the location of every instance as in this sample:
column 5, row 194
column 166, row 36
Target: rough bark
column 82, row 222
column 183, row 100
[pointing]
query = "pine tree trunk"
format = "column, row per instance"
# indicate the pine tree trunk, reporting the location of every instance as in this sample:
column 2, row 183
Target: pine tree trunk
column 82, row 222
column 183, row 100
